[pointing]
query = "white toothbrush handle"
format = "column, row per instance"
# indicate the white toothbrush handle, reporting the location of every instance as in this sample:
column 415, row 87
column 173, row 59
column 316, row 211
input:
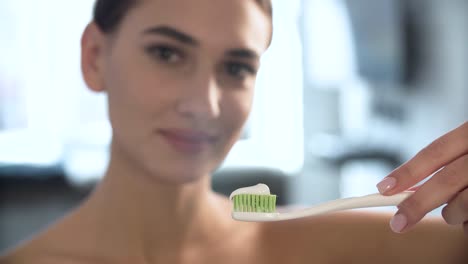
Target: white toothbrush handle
column 371, row 200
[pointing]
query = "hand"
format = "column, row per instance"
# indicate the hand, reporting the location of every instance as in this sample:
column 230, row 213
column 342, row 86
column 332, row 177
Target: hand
column 448, row 158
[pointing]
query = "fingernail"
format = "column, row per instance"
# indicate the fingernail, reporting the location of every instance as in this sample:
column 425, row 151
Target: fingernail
column 398, row 222
column 386, row 184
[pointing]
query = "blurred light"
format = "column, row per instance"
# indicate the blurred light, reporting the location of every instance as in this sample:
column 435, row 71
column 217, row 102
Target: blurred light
column 32, row 148
column 330, row 49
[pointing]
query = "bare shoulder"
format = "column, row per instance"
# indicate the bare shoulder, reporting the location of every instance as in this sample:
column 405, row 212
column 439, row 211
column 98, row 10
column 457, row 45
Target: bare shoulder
column 56, row 245
column 364, row 236
column 41, row 252
column 28, row 253
column 33, row 250
column 329, row 238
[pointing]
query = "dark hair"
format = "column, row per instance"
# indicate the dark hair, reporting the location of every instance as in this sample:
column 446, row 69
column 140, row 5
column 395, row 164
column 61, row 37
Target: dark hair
column 109, row 13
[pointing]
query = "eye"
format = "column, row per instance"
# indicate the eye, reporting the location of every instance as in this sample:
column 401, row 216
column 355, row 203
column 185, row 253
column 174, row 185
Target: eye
column 164, row 53
column 239, row 70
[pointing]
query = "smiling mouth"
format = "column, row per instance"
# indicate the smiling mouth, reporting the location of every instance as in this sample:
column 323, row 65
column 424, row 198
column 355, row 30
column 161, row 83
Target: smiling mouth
column 187, row 141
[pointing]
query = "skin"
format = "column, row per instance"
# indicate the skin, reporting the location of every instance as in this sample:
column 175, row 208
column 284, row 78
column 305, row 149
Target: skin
column 447, row 159
column 155, row 204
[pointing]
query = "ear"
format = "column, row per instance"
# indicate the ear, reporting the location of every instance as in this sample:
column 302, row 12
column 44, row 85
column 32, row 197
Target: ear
column 92, row 57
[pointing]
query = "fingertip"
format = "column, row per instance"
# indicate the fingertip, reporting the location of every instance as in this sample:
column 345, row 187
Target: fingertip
column 386, row 185
column 398, row 222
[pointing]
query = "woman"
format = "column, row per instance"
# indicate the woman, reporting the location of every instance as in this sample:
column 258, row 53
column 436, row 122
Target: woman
column 179, row 75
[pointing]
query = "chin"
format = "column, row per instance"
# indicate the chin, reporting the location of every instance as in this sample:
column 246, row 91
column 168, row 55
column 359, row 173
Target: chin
column 178, row 176
column 178, row 180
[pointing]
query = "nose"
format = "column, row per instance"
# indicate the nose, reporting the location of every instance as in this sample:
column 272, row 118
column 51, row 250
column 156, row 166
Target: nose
column 200, row 98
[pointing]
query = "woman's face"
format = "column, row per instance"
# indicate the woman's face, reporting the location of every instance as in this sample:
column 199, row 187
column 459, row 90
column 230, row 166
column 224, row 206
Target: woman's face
column 180, row 77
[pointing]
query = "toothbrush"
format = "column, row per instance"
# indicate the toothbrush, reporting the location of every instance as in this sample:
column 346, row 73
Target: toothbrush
column 256, row 204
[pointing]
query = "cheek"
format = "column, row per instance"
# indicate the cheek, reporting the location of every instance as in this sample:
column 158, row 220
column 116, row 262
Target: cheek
column 134, row 99
column 137, row 91
column 134, row 80
column 236, row 111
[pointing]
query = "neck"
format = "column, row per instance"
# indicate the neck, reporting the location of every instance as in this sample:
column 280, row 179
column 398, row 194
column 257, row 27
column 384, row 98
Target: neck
column 142, row 213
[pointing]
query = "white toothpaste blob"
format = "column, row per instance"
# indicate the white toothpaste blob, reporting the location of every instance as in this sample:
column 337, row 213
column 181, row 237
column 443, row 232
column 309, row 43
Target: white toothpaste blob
column 259, row 189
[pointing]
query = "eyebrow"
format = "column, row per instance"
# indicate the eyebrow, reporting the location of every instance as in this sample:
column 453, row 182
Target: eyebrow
column 171, row 33
column 185, row 38
column 242, row 53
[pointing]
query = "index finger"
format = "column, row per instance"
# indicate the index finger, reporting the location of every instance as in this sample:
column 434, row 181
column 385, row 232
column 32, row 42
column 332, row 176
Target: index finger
column 436, row 155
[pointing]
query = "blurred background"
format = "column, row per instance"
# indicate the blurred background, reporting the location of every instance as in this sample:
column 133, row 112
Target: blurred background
column 349, row 90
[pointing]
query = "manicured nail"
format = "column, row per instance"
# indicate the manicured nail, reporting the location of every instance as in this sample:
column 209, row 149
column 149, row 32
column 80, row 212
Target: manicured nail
column 386, row 184
column 398, row 222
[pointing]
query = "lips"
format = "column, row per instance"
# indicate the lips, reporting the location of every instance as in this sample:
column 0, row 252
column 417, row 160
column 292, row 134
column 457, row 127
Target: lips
column 187, row 141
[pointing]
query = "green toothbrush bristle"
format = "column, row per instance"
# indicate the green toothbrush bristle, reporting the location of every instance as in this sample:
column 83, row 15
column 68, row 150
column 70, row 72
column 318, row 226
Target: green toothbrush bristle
column 254, row 203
